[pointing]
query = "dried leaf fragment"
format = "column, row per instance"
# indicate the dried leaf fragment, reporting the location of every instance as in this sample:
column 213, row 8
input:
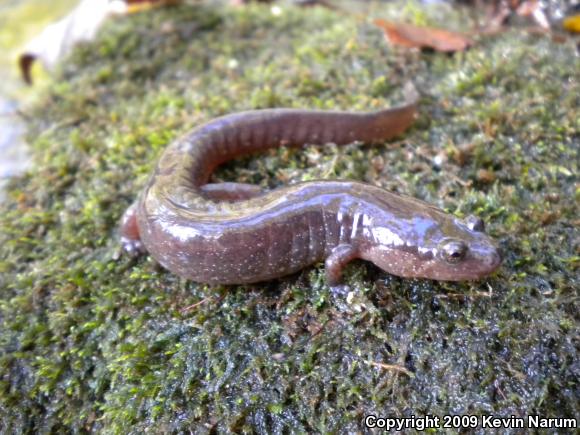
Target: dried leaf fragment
column 411, row 36
column 57, row 39
column 81, row 24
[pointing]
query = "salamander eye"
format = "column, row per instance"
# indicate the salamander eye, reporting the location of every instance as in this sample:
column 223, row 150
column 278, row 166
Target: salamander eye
column 475, row 224
column 453, row 251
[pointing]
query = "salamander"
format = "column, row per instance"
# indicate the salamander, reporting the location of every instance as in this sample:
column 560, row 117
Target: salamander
column 235, row 233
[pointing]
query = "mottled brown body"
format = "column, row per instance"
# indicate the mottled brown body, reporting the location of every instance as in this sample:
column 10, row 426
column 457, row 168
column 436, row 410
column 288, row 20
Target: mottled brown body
column 234, row 233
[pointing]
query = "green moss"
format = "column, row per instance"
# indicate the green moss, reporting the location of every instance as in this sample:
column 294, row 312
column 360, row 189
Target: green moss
column 93, row 340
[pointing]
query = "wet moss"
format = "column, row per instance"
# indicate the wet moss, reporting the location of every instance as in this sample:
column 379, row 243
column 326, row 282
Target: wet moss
column 93, row 340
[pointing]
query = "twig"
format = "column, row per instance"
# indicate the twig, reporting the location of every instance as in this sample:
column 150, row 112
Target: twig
column 191, row 307
column 392, row 367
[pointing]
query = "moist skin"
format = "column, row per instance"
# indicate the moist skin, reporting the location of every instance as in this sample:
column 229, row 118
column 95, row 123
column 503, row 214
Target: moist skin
column 233, row 233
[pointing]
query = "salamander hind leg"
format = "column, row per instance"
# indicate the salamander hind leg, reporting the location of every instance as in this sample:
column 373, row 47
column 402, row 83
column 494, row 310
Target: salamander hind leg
column 129, row 232
column 336, row 261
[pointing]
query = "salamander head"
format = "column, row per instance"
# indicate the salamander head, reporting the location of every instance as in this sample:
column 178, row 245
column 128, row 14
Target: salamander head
column 434, row 246
column 467, row 254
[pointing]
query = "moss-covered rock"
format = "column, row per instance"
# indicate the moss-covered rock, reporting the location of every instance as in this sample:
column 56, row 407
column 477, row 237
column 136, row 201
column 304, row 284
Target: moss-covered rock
column 93, row 340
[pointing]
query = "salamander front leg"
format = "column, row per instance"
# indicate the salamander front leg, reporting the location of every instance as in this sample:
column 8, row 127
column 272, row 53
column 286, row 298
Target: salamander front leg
column 129, row 231
column 336, row 261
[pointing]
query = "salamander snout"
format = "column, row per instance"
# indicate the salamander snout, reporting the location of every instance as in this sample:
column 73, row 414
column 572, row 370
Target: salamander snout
column 490, row 258
column 464, row 259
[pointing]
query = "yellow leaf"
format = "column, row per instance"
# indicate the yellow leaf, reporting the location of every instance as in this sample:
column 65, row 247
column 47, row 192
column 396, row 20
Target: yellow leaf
column 572, row 23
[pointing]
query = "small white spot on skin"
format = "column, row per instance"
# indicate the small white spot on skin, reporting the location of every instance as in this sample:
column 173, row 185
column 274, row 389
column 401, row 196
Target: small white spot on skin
column 339, row 219
column 183, row 234
column 355, row 224
column 423, row 251
column 386, row 237
column 366, row 223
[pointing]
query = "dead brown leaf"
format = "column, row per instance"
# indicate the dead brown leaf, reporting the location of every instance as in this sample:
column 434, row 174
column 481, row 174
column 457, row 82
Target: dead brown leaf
column 81, row 24
column 411, row 36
